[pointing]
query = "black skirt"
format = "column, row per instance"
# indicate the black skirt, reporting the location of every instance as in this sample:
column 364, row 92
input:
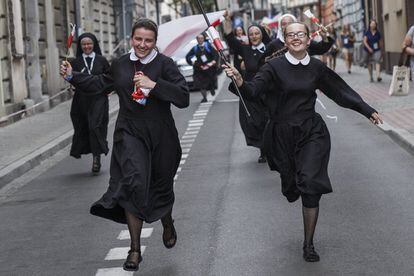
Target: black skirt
column 206, row 80
column 90, row 118
column 299, row 151
column 145, row 157
column 254, row 126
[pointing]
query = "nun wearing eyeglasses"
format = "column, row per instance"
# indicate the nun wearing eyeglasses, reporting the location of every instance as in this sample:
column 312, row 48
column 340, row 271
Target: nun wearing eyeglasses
column 89, row 111
column 251, row 54
column 296, row 138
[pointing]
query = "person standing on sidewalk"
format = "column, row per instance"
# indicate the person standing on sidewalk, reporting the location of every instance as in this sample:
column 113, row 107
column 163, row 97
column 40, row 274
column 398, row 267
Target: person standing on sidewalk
column 373, row 50
column 297, row 140
column 146, row 152
column 251, row 53
column 409, row 47
column 203, row 57
column 347, row 40
column 89, row 112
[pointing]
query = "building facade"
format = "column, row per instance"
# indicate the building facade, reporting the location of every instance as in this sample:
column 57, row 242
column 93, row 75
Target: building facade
column 33, row 36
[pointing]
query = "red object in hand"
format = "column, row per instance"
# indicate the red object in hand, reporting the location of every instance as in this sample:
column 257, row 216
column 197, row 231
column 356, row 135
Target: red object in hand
column 137, row 94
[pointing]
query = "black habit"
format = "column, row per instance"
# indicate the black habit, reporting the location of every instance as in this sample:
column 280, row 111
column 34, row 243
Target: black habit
column 296, row 139
column 252, row 128
column 89, row 113
column 203, row 79
column 146, row 151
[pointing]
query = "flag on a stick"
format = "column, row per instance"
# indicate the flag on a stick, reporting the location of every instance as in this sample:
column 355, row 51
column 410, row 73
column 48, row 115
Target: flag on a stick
column 71, row 35
column 175, row 34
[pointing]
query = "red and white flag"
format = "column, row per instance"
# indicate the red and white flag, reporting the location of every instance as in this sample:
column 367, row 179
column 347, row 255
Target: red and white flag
column 71, row 35
column 175, row 34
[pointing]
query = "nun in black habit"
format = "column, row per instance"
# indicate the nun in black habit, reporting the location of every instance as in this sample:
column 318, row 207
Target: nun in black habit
column 89, row 111
column 146, row 151
column 252, row 127
column 204, row 58
column 297, row 140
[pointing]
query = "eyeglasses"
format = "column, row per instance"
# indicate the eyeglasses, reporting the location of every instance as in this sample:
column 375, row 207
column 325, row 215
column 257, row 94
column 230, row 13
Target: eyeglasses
column 291, row 35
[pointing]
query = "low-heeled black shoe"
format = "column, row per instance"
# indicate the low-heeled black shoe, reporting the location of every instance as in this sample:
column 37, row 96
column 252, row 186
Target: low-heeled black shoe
column 309, row 253
column 132, row 261
column 96, row 165
column 167, row 241
column 262, row 159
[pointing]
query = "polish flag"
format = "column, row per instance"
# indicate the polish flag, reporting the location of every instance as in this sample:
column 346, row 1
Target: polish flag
column 175, row 34
column 71, row 35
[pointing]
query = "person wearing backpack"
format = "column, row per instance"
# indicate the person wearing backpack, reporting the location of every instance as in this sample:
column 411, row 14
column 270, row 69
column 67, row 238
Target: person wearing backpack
column 204, row 58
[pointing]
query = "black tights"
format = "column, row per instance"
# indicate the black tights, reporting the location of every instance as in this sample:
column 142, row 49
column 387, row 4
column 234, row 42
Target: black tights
column 134, row 227
column 310, row 211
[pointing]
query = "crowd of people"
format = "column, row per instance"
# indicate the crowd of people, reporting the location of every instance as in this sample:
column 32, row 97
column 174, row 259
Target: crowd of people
column 278, row 78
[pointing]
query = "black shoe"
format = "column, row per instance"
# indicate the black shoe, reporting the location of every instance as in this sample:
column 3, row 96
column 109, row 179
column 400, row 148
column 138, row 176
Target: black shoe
column 96, row 165
column 169, row 242
column 309, row 253
column 204, row 100
column 349, row 71
column 132, row 261
column 262, row 159
column 212, row 92
column 371, row 80
column 379, row 79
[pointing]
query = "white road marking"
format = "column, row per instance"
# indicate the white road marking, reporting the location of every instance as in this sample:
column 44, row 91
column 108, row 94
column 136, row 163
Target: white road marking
column 189, row 141
column 189, row 136
column 113, row 271
column 191, row 132
column 184, row 156
column 195, row 124
column 196, row 121
column 186, row 145
column 120, row 253
column 182, row 162
column 228, row 100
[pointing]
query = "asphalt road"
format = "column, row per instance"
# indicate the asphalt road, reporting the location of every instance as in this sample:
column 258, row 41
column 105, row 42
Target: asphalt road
column 230, row 215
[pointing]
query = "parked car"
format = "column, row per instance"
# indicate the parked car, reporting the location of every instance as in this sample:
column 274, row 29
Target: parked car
column 186, row 69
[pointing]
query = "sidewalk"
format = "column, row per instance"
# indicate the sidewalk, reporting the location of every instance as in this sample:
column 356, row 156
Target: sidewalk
column 396, row 111
column 26, row 143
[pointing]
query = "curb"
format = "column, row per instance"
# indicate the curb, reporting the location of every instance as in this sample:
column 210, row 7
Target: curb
column 28, row 162
column 401, row 136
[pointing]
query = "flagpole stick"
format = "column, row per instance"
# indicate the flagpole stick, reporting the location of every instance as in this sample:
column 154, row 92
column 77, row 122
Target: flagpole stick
column 223, row 57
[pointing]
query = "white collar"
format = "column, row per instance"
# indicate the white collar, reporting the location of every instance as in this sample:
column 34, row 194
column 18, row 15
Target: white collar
column 91, row 55
column 261, row 47
column 295, row 61
column 150, row 57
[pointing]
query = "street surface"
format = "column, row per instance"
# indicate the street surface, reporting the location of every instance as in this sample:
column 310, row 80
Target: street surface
column 230, row 215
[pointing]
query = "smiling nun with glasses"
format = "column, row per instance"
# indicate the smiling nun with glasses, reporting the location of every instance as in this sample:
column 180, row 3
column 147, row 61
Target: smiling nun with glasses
column 297, row 141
